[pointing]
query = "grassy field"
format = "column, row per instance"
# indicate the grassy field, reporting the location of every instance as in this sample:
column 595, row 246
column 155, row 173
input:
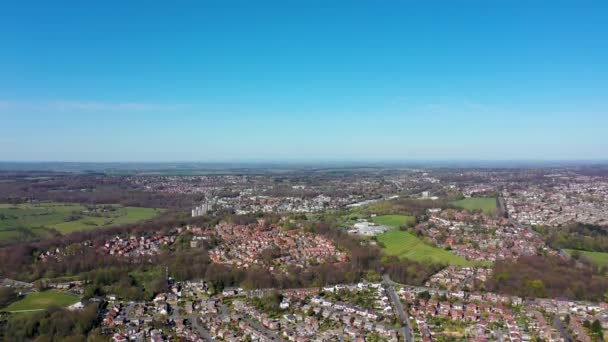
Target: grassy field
column 22, row 234
column 394, row 220
column 34, row 220
column 598, row 258
column 42, row 300
column 407, row 245
column 487, row 204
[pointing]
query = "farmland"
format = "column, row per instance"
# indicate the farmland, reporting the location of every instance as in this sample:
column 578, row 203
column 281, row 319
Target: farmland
column 486, row 204
column 23, row 221
column 42, row 300
column 406, row 245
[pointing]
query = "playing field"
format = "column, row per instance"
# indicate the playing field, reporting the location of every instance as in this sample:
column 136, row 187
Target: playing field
column 42, row 300
column 487, row 204
column 394, row 220
column 598, row 258
column 34, row 220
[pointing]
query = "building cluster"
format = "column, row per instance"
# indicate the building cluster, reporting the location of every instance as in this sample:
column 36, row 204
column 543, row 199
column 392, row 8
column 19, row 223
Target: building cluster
column 465, row 216
column 289, row 192
column 288, row 204
column 579, row 314
column 75, row 287
column 141, row 321
column 481, row 242
column 440, row 314
column 479, row 190
column 305, row 315
column 354, row 312
column 138, row 246
column 133, row 246
column 271, row 247
column 473, row 317
column 573, row 199
column 366, row 228
column 203, row 208
column 573, row 316
column 192, row 184
column 454, row 278
column 15, row 284
column 467, row 317
column 188, row 312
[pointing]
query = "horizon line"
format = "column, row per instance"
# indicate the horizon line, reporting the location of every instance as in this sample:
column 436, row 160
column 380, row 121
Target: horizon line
column 350, row 162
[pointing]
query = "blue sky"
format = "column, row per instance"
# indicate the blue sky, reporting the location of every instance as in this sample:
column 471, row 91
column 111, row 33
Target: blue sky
column 303, row 80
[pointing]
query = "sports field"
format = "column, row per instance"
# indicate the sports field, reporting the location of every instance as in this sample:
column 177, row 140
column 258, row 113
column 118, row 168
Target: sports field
column 42, row 300
column 487, row 204
column 598, row 258
column 34, row 220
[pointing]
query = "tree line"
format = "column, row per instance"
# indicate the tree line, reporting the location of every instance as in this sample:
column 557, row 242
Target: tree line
column 54, row 324
column 580, row 236
column 549, row 277
column 89, row 190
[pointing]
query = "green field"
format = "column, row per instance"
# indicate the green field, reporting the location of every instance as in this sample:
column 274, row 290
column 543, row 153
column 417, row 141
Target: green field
column 17, row 234
column 38, row 220
column 486, row 204
column 407, row 245
column 394, row 220
column 598, row 258
column 42, row 300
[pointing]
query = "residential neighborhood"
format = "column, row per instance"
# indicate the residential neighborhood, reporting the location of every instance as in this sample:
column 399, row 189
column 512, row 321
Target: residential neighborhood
column 271, row 247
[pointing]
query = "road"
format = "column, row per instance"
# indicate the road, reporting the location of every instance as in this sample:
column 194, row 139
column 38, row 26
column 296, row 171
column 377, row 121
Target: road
column 269, row 333
column 406, row 329
column 499, row 335
column 502, row 207
column 517, row 224
column 559, row 325
column 129, row 310
column 28, row 310
column 202, row 332
column 257, row 326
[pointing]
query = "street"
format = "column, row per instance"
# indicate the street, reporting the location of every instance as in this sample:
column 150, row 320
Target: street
column 559, row 325
column 200, row 329
column 406, row 330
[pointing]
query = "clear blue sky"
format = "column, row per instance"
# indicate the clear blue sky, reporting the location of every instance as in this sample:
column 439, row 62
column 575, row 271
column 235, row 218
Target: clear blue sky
column 303, row 80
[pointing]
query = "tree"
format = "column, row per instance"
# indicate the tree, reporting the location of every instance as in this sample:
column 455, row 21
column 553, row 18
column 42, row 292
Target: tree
column 40, row 285
column 7, row 295
column 596, row 329
column 575, row 254
column 424, row 295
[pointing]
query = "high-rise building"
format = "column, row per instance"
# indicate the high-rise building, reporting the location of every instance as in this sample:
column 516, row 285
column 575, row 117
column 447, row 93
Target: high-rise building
column 203, row 209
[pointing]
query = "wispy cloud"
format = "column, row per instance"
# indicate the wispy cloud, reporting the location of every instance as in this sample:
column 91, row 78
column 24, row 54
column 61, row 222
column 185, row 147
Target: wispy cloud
column 93, row 106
